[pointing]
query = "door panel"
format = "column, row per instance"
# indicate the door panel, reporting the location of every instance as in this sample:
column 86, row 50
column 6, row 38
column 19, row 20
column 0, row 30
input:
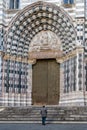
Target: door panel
column 39, row 84
column 45, row 85
column 53, row 82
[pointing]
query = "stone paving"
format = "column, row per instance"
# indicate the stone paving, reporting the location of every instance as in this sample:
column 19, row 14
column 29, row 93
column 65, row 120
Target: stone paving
column 10, row 126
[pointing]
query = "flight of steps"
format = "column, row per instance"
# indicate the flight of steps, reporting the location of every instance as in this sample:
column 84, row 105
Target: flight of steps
column 32, row 114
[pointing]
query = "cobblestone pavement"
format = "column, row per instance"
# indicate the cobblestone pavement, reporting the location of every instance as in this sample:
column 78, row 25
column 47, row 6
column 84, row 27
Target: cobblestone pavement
column 41, row 127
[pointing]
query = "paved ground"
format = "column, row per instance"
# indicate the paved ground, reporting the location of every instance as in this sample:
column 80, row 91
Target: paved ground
column 40, row 127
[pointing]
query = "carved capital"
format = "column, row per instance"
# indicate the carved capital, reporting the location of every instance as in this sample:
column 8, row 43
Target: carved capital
column 32, row 61
column 59, row 60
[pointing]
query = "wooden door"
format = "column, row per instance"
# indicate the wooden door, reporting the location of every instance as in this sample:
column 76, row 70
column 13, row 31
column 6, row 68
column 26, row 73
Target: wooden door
column 45, row 82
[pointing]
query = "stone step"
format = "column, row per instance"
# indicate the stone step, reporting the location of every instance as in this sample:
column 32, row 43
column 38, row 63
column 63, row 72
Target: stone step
column 32, row 114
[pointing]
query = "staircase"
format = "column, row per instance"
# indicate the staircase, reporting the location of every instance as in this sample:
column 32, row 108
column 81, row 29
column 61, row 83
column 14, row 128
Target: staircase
column 32, row 114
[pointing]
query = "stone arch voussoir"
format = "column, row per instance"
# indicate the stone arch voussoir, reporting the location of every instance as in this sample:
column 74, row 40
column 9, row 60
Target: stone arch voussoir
column 35, row 18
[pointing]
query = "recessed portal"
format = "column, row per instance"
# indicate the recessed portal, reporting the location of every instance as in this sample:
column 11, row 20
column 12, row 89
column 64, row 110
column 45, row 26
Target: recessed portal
column 45, row 82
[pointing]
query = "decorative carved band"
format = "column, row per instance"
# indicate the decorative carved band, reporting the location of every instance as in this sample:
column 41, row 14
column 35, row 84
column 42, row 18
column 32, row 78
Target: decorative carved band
column 45, row 54
column 33, row 56
column 72, row 53
column 14, row 58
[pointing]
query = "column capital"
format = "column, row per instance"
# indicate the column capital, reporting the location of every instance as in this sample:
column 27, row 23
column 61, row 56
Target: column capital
column 32, row 61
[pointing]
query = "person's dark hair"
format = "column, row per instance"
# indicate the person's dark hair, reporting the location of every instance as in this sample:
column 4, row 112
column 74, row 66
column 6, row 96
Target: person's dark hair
column 43, row 106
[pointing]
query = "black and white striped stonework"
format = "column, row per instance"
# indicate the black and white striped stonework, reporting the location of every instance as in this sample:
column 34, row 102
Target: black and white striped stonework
column 35, row 18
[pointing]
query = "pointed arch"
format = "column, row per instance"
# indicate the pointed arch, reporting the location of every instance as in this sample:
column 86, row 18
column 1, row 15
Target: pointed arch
column 35, row 18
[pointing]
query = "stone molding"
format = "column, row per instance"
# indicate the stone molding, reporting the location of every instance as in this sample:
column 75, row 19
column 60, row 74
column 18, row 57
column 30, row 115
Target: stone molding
column 72, row 53
column 45, row 54
column 33, row 56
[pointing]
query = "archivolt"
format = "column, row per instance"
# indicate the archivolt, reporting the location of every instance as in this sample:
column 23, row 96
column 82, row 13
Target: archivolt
column 35, row 18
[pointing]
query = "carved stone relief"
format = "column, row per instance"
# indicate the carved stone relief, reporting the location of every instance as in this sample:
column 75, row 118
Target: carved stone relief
column 45, row 40
column 45, row 44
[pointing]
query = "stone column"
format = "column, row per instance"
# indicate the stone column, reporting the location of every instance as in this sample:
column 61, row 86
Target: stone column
column 2, row 79
column 80, row 76
column 60, row 60
column 61, row 82
column 29, row 82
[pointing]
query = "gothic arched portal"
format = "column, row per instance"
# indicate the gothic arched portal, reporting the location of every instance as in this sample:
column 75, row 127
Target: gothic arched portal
column 40, row 18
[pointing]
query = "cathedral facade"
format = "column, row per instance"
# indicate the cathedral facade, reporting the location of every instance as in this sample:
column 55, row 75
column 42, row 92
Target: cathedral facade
column 43, row 57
